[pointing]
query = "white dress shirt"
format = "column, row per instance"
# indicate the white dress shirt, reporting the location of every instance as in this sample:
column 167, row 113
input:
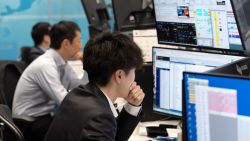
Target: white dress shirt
column 43, row 85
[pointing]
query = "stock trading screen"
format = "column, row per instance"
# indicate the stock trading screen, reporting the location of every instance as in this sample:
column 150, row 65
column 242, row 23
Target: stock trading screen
column 197, row 23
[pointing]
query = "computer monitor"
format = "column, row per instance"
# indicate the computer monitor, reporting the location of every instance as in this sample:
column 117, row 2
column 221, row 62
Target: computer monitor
column 242, row 10
column 240, row 67
column 133, row 14
column 197, row 23
column 168, row 66
column 216, row 107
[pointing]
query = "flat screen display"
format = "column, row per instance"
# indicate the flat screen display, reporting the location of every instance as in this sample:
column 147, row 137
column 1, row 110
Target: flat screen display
column 168, row 67
column 197, row 23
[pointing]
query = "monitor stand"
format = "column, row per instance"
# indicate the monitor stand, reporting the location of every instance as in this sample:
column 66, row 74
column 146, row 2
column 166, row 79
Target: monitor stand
column 147, row 4
column 99, row 28
column 143, row 17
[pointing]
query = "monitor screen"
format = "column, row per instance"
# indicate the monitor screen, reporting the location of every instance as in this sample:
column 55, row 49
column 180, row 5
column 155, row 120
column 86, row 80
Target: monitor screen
column 242, row 10
column 216, row 107
column 197, row 23
column 133, row 14
column 168, row 66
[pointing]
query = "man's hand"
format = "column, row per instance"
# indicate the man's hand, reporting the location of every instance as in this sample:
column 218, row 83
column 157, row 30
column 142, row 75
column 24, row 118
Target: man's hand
column 78, row 56
column 136, row 95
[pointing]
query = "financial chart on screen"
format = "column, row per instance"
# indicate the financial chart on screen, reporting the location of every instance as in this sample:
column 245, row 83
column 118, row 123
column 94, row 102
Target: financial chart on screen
column 197, row 23
column 168, row 67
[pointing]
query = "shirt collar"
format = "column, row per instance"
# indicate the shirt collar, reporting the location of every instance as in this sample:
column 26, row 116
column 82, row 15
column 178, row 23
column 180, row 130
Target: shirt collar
column 57, row 57
column 112, row 107
column 42, row 49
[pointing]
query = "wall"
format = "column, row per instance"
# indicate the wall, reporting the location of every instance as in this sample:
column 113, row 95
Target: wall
column 18, row 16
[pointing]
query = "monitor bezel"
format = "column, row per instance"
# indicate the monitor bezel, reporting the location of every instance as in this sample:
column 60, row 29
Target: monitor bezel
column 192, row 49
column 238, row 24
column 206, row 47
column 184, row 111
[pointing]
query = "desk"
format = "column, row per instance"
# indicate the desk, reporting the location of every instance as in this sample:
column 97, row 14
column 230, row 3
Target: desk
column 140, row 134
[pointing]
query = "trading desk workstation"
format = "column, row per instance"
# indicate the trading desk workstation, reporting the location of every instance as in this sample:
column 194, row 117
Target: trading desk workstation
column 196, row 74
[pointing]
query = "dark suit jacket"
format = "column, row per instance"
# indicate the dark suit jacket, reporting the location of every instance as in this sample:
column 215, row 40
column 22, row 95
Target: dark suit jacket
column 34, row 53
column 85, row 115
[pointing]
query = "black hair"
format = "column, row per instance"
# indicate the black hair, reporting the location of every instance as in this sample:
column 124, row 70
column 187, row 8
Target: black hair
column 109, row 52
column 38, row 31
column 63, row 30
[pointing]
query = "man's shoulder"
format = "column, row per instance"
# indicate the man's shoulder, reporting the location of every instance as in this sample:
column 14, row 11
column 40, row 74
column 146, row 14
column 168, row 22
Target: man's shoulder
column 84, row 93
column 44, row 60
column 35, row 50
column 41, row 64
column 82, row 111
column 87, row 98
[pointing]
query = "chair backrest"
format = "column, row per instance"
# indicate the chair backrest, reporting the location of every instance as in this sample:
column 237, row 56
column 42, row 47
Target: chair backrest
column 25, row 54
column 10, row 72
column 8, row 130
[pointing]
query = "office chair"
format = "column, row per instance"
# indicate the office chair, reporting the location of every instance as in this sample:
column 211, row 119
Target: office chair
column 24, row 54
column 8, row 130
column 10, row 72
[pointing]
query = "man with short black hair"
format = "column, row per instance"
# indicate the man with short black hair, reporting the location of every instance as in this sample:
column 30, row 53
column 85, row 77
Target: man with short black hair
column 87, row 112
column 47, row 80
column 40, row 35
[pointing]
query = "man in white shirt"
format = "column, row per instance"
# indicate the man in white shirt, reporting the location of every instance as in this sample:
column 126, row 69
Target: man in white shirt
column 87, row 112
column 47, row 80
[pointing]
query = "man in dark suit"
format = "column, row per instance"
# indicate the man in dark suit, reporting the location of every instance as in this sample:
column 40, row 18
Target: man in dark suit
column 87, row 113
column 40, row 35
column 41, row 38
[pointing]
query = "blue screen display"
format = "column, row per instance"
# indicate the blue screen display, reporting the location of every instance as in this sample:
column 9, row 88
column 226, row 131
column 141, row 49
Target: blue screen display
column 217, row 107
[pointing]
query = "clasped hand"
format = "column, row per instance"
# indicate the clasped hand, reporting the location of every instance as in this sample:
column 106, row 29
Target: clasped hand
column 136, row 95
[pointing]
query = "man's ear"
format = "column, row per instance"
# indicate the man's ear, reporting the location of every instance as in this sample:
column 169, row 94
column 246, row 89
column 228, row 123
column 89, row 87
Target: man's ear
column 118, row 76
column 65, row 43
